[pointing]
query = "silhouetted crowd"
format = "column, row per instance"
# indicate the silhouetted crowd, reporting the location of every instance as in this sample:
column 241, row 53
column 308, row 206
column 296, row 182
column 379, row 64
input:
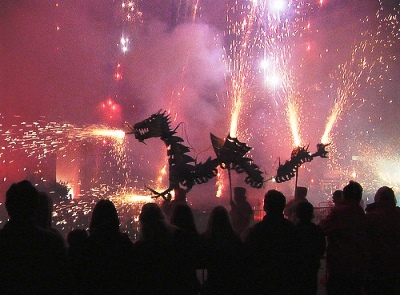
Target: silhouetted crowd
column 274, row 256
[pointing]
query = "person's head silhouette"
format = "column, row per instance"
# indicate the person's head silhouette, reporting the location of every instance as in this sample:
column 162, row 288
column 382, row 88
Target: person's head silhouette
column 353, row 191
column 385, row 194
column 22, row 201
column 305, row 211
column 301, row 192
column 274, row 202
column 104, row 217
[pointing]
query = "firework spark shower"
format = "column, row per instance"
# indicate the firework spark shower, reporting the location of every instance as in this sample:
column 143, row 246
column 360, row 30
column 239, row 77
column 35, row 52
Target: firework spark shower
column 274, row 74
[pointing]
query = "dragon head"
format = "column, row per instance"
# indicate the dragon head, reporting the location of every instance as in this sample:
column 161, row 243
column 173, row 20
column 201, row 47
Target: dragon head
column 157, row 125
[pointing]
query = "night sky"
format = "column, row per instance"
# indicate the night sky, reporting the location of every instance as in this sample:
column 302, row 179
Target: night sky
column 103, row 62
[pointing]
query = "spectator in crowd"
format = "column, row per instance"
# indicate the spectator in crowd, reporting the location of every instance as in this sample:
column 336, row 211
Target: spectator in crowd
column 159, row 262
column 224, row 251
column 300, row 196
column 44, row 211
column 43, row 214
column 314, row 245
column 241, row 212
column 76, row 240
column 108, row 257
column 32, row 260
column 273, row 251
column 168, row 205
column 337, row 197
column 383, row 229
column 345, row 228
column 183, row 218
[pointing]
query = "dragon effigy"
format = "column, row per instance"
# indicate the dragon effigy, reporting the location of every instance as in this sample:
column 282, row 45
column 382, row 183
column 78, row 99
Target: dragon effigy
column 230, row 154
column 299, row 156
column 184, row 171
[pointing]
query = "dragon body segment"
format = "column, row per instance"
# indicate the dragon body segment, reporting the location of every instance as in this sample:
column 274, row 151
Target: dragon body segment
column 299, row 156
column 230, row 154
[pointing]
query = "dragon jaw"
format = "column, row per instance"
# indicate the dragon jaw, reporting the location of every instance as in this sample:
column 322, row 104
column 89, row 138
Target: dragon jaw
column 155, row 126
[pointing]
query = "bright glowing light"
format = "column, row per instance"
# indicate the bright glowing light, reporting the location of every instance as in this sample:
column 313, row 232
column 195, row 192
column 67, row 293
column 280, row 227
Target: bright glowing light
column 265, row 64
column 332, row 119
column 278, row 5
column 294, row 121
column 135, row 198
column 117, row 134
column 274, row 80
column 124, row 44
column 118, row 76
column 219, row 183
column 235, row 119
column 71, row 193
column 162, row 173
column 124, row 41
column 239, row 65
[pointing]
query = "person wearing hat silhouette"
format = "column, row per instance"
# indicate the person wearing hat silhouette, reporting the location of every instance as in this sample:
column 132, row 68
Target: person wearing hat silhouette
column 241, row 212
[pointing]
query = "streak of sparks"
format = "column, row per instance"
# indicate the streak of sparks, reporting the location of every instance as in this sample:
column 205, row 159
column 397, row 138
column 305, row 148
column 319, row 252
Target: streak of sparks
column 219, row 183
column 239, row 64
column 294, row 121
column 40, row 139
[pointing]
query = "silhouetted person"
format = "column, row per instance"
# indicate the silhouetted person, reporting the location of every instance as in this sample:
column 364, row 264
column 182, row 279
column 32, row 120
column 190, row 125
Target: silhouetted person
column 299, row 197
column 43, row 215
column 193, row 254
column 168, row 205
column 108, row 256
column 314, row 245
column 158, row 254
column 273, row 251
column 76, row 240
column 224, row 255
column 44, row 211
column 241, row 212
column 32, row 260
column 337, row 197
column 346, row 253
column 383, row 228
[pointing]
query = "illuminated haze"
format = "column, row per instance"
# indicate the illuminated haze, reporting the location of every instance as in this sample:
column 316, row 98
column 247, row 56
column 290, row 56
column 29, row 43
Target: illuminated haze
column 59, row 60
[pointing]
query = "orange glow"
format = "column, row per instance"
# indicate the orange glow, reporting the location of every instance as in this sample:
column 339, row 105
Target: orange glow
column 219, row 183
column 235, row 119
column 163, row 172
column 113, row 133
